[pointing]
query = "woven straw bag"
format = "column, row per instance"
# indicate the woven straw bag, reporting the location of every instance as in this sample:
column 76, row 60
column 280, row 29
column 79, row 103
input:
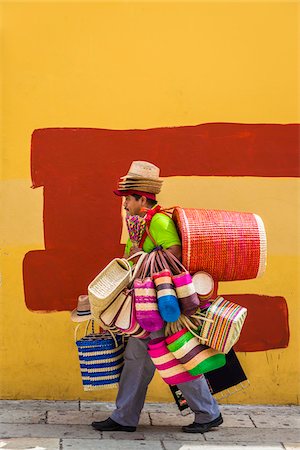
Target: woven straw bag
column 146, row 306
column 222, row 324
column 226, row 244
column 195, row 357
column 101, row 358
column 169, row 368
column 115, row 277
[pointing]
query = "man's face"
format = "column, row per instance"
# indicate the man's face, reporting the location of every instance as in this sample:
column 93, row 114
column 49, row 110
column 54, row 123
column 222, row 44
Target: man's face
column 133, row 206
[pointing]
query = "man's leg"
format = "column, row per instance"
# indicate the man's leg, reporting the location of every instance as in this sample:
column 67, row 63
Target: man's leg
column 136, row 375
column 203, row 404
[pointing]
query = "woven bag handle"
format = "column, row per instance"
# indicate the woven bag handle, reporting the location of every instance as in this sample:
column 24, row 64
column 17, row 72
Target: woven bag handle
column 138, row 265
column 171, row 257
column 156, row 264
column 88, row 322
column 168, row 263
column 93, row 331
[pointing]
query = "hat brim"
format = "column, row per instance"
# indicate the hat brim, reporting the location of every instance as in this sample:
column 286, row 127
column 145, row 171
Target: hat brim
column 76, row 318
column 123, row 193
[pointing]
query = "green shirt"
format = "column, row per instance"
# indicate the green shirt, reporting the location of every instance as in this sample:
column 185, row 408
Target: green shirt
column 163, row 231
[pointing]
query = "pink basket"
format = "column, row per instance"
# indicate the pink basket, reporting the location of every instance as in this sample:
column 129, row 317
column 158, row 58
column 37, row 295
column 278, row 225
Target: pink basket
column 169, row 368
column 228, row 245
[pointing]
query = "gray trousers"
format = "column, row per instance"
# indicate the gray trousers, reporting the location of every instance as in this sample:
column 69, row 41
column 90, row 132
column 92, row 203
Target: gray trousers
column 136, row 375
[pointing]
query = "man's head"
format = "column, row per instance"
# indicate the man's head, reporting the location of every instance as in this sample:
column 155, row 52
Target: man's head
column 136, row 204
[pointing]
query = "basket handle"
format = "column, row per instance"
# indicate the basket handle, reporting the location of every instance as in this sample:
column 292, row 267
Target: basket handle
column 88, row 322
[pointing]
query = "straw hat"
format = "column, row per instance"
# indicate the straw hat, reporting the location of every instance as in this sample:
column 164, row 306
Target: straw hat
column 83, row 310
column 143, row 169
column 142, row 176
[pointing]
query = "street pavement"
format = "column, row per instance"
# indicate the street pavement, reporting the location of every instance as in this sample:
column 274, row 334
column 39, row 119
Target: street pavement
column 59, row 425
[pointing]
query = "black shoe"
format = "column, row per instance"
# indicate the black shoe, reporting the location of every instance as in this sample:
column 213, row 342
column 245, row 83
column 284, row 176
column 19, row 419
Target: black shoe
column 203, row 427
column 111, row 425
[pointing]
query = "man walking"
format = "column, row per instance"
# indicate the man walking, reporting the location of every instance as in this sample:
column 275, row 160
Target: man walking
column 139, row 187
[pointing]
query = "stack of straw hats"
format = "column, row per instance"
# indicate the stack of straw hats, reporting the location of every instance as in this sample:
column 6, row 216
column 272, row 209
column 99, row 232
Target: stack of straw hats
column 142, row 176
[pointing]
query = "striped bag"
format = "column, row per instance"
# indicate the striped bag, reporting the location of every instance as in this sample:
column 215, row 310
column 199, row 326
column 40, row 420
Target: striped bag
column 101, row 360
column 182, row 280
column 222, row 324
column 195, row 357
column 169, row 368
column 146, row 306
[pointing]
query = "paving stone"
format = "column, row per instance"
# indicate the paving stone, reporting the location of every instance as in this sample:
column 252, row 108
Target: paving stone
column 292, row 446
column 170, row 419
column 176, row 420
column 48, row 431
column 260, row 435
column 85, row 417
column 154, row 433
column 175, row 445
column 110, row 406
column 22, row 416
column 38, row 405
column 259, row 409
column 276, row 421
column 105, row 444
column 29, row 443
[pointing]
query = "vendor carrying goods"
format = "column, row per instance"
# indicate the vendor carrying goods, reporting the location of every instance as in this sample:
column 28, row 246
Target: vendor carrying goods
column 222, row 323
column 182, row 280
column 195, row 357
column 169, row 368
column 101, row 360
column 228, row 245
column 111, row 281
column 146, row 306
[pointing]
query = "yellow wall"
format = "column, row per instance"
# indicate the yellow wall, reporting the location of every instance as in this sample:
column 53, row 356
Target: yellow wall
column 143, row 65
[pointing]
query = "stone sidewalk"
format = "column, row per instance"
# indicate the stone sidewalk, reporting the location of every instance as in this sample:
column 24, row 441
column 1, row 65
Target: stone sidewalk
column 49, row 425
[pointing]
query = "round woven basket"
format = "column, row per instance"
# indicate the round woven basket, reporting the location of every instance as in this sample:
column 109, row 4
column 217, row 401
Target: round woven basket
column 228, row 245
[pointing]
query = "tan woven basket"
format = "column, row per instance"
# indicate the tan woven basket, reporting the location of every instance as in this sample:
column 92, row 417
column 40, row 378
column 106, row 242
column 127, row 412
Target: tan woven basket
column 107, row 286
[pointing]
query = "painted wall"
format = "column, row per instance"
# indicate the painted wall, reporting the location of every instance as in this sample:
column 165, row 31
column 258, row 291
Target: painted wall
column 137, row 66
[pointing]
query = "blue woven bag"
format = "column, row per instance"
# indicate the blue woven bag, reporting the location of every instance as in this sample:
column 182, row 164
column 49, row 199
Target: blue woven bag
column 101, row 360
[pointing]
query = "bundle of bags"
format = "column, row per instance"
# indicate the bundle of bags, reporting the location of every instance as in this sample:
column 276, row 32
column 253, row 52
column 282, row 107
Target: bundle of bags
column 158, row 292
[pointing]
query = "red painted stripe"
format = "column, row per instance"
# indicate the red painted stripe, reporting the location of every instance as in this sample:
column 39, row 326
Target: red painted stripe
column 219, row 149
column 266, row 326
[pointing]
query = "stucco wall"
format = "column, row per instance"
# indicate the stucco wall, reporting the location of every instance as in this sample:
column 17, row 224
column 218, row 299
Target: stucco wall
column 138, row 66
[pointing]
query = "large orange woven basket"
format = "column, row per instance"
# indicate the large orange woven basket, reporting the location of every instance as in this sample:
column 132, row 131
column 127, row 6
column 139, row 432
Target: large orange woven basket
column 228, row 245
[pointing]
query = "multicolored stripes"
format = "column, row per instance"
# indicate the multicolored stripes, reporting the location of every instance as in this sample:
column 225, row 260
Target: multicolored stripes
column 227, row 321
column 146, row 306
column 166, row 296
column 170, row 369
column 101, row 362
column 195, row 357
column 186, row 293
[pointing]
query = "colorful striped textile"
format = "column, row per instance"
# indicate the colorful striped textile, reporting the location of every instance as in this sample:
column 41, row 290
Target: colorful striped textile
column 166, row 296
column 195, row 357
column 186, row 293
column 101, row 361
column 147, row 314
column 223, row 329
column 228, row 245
column 169, row 368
